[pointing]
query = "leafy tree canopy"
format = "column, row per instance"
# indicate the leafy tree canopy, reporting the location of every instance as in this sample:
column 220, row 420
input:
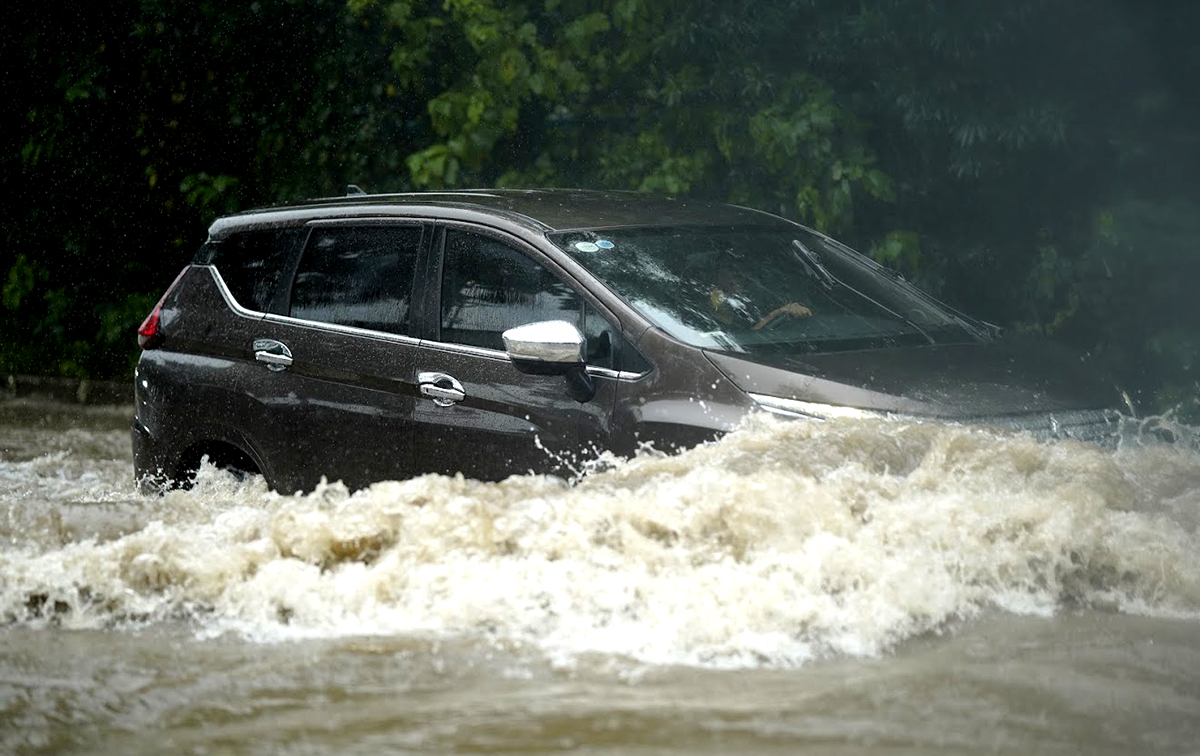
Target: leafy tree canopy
column 1031, row 161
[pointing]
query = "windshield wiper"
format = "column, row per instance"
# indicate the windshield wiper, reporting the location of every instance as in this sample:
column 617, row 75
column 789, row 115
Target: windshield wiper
column 813, row 265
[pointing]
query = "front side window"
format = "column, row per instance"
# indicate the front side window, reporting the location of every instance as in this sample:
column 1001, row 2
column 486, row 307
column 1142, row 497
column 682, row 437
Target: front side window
column 489, row 287
column 359, row 276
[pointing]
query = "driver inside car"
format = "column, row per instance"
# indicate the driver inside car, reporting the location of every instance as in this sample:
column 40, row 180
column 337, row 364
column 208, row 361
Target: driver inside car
column 733, row 303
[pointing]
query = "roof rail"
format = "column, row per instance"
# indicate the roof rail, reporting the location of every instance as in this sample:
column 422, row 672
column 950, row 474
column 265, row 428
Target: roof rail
column 353, row 190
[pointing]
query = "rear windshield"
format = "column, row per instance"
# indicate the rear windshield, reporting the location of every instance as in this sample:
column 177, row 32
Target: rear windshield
column 762, row 289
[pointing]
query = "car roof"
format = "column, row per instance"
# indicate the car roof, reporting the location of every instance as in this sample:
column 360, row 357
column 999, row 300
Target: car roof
column 541, row 210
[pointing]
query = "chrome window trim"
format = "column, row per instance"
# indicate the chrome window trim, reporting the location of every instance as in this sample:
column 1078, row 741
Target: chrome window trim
column 227, row 295
column 493, row 354
column 446, row 346
column 349, row 330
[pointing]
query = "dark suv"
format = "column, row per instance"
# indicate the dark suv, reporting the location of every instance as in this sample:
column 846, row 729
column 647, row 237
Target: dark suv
column 373, row 337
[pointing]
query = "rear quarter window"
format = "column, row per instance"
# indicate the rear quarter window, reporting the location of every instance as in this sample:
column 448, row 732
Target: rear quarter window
column 252, row 263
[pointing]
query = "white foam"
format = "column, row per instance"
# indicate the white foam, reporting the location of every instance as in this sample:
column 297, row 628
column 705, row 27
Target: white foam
column 783, row 542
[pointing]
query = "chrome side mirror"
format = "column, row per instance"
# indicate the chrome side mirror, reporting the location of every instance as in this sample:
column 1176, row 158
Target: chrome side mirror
column 552, row 347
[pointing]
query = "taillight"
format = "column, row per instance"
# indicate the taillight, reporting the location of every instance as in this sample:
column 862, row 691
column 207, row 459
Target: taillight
column 149, row 333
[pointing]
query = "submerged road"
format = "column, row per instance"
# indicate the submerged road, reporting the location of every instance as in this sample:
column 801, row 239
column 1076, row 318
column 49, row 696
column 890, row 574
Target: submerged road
column 861, row 587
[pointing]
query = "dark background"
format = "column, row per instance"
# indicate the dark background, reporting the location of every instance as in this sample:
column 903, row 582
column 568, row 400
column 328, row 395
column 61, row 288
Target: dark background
column 1033, row 162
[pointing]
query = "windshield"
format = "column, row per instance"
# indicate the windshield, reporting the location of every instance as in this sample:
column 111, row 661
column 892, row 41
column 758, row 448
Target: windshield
column 758, row 289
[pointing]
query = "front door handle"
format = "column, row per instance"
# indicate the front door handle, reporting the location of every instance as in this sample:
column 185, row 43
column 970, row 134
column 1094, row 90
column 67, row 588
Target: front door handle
column 274, row 353
column 443, row 389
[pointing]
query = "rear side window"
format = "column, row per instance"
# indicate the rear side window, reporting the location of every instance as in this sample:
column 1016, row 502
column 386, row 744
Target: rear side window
column 360, row 276
column 251, row 264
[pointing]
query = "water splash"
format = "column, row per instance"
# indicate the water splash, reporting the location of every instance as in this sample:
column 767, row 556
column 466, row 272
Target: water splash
column 783, row 542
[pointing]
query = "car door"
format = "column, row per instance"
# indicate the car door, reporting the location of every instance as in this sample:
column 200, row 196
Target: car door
column 478, row 414
column 334, row 394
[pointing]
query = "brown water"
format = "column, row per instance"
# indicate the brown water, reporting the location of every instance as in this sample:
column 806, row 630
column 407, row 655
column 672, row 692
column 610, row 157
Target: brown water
column 857, row 587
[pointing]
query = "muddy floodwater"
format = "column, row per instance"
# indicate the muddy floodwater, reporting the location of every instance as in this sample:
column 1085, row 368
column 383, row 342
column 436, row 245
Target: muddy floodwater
column 858, row 587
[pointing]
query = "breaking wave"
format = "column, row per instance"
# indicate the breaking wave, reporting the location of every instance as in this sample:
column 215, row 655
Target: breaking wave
column 781, row 543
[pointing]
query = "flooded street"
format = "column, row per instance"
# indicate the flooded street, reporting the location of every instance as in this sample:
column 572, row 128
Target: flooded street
column 855, row 587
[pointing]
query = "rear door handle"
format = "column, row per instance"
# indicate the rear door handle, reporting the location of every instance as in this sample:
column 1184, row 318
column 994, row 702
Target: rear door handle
column 443, row 389
column 274, row 353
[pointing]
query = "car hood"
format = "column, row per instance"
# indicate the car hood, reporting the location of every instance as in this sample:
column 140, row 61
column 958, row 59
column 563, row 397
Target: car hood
column 953, row 381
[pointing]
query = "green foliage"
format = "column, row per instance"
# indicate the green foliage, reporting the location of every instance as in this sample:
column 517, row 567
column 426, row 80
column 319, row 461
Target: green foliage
column 23, row 277
column 1032, row 161
column 491, row 66
column 898, row 249
column 1151, row 335
column 581, row 93
column 210, row 195
column 139, row 121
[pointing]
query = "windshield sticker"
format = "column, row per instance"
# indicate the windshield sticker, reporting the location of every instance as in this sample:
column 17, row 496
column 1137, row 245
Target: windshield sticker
column 586, row 246
column 605, row 244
